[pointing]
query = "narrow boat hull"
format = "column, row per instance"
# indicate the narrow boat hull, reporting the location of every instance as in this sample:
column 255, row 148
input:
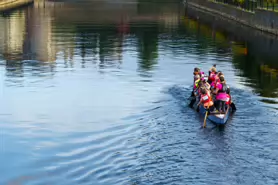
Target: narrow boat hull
column 219, row 119
column 216, row 118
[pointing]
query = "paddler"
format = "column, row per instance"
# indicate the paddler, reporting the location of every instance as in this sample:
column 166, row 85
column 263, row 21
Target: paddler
column 210, row 70
column 205, row 99
column 215, row 82
column 221, row 95
column 229, row 99
column 197, row 79
column 206, row 84
column 194, row 92
column 212, row 74
column 197, row 71
column 219, row 73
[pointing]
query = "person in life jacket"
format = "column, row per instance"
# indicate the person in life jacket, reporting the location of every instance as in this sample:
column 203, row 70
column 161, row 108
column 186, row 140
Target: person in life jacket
column 202, row 74
column 210, row 70
column 196, row 77
column 212, row 74
column 199, row 86
column 197, row 71
column 205, row 99
column 229, row 101
column 229, row 98
column 221, row 95
column 196, row 74
column 196, row 82
column 202, row 85
column 198, row 92
column 206, row 84
column 220, row 74
column 215, row 82
column 195, row 85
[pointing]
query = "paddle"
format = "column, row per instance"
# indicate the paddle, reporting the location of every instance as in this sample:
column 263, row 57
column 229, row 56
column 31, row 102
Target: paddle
column 233, row 106
column 205, row 120
column 192, row 93
column 198, row 108
column 193, row 99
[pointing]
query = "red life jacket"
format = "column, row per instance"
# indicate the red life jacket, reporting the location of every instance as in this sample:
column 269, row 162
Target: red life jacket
column 214, row 84
column 206, row 100
column 212, row 76
column 229, row 101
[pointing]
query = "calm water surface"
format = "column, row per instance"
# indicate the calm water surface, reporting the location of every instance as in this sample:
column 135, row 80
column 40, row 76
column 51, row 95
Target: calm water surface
column 96, row 93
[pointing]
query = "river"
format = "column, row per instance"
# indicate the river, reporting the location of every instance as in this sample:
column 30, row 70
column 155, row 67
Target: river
column 95, row 92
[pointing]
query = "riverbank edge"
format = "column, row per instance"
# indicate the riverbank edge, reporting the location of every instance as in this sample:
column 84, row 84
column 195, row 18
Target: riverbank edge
column 214, row 11
column 6, row 5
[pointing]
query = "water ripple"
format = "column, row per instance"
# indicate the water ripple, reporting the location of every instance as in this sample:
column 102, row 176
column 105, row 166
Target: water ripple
column 97, row 93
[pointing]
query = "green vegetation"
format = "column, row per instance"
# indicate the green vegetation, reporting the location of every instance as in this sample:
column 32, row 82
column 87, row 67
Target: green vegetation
column 250, row 5
column 260, row 71
column 268, row 4
column 239, row 1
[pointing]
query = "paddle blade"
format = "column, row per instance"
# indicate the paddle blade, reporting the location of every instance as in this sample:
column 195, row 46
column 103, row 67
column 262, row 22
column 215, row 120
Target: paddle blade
column 205, row 120
column 192, row 94
column 198, row 109
column 233, row 106
column 192, row 102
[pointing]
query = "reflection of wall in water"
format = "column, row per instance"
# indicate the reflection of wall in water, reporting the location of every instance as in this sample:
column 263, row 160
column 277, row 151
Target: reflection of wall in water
column 94, row 12
column 40, row 36
column 27, row 34
column 251, row 50
column 34, row 36
column 263, row 45
column 16, row 32
column 12, row 35
column 116, row 54
column 117, row 12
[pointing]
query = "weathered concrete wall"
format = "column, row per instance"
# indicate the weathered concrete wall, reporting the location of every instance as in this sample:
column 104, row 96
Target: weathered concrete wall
column 11, row 4
column 267, row 19
column 260, row 19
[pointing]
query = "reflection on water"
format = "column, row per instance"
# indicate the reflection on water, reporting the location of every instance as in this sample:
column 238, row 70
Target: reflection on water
column 94, row 92
column 101, row 34
column 253, row 54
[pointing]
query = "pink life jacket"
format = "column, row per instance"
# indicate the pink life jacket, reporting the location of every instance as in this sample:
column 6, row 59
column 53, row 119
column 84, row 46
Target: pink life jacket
column 221, row 95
